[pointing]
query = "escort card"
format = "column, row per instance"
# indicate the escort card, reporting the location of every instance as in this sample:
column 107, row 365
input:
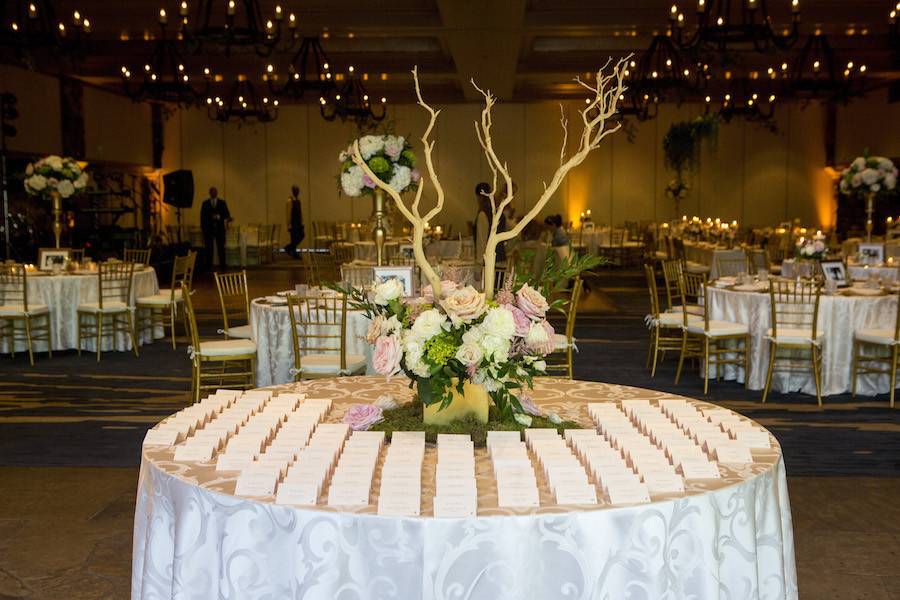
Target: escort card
column 301, row 493
column 161, row 437
column 733, row 454
column 628, row 494
column 755, row 439
column 399, row 506
column 455, row 506
column 699, row 469
column 256, row 484
column 659, row 483
column 576, row 494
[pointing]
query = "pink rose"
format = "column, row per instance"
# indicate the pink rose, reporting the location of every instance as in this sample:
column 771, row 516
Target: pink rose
column 447, row 287
column 415, row 175
column 386, row 357
column 529, row 406
column 367, row 181
column 523, row 323
column 464, row 305
column 360, row 417
column 532, row 302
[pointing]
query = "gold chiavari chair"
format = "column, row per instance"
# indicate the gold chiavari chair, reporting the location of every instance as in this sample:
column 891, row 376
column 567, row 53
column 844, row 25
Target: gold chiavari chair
column 324, row 268
column 234, row 299
column 886, row 346
column 561, row 360
column 15, row 308
column 795, row 318
column 319, row 335
column 162, row 309
column 217, row 363
column 731, row 266
column 359, row 276
column 672, row 272
column 665, row 327
column 138, row 256
column 342, row 253
column 711, row 336
column 687, row 266
column 114, row 281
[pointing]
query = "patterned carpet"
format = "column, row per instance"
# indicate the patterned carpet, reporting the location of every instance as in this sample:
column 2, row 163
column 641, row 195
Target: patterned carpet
column 71, row 411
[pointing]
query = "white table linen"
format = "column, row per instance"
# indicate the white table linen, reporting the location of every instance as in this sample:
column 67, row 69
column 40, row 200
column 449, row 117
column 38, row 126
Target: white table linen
column 706, row 254
column 839, row 317
column 270, row 328
column 726, row 538
column 64, row 292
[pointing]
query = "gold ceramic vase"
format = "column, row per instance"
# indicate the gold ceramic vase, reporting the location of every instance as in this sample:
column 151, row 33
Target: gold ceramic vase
column 474, row 401
column 379, row 234
column 57, row 215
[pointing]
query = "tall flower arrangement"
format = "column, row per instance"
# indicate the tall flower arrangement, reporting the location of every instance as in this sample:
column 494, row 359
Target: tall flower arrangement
column 440, row 344
column 55, row 174
column 869, row 174
column 390, row 157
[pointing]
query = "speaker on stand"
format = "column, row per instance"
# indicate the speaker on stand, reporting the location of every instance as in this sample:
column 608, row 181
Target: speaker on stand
column 178, row 191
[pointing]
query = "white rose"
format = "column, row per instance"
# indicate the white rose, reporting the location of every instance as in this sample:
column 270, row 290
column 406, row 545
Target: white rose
column 884, row 164
column 890, row 181
column 499, row 321
column 858, row 164
column 81, row 182
column 536, row 335
column 412, row 355
column 429, row 324
column 370, row 145
column 463, row 305
column 386, row 402
column 401, row 178
column 37, row 182
column 495, row 348
column 387, row 291
column 65, row 188
column 540, row 365
column 469, row 354
column 55, row 163
column 875, row 187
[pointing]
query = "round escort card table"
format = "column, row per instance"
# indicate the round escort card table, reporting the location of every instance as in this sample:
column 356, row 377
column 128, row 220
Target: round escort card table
column 727, row 534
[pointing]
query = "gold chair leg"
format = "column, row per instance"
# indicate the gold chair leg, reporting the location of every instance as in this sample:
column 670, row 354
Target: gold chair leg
column 134, row 344
column 773, row 349
column 853, row 365
column 706, row 365
column 49, row 337
column 27, row 323
column 817, row 374
column 894, row 350
column 172, row 323
column 655, row 351
column 681, row 358
column 653, row 334
column 747, row 362
column 79, row 334
column 99, row 333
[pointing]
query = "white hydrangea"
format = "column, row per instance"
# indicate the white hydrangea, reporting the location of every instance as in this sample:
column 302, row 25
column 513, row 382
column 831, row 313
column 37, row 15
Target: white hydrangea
column 500, row 322
column 858, row 164
column 413, row 350
column 65, row 188
column 401, row 178
column 370, row 145
column 81, row 182
column 352, row 181
column 870, row 176
column 37, row 182
column 54, row 162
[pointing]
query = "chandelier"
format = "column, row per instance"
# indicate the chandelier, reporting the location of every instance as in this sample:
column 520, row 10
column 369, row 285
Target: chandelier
column 661, row 74
column 752, row 106
column 163, row 77
column 350, row 101
column 818, row 75
column 242, row 103
column 309, row 72
column 241, row 27
column 28, row 26
column 726, row 23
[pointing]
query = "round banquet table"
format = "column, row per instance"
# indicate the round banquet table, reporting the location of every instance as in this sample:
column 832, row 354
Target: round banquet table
column 722, row 538
column 64, row 292
column 839, row 317
column 270, row 327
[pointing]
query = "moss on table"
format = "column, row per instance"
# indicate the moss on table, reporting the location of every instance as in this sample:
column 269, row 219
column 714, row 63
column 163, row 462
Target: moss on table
column 408, row 417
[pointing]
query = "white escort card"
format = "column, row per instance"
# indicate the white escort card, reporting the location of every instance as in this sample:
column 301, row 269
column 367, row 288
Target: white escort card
column 456, row 493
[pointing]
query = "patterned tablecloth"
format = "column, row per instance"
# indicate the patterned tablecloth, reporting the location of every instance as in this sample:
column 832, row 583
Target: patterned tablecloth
column 722, row 538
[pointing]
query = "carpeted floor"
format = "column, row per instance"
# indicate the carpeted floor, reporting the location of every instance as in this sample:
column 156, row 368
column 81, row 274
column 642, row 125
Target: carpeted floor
column 72, row 411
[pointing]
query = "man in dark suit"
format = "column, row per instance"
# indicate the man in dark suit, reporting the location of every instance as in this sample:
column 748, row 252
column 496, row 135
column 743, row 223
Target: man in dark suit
column 294, row 221
column 214, row 216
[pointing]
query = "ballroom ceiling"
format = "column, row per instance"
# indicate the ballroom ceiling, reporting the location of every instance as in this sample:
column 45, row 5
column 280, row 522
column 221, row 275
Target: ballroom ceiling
column 522, row 49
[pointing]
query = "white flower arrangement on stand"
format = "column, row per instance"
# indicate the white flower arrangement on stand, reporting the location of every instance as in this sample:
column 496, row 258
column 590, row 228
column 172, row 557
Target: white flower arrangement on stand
column 869, row 176
column 812, row 249
column 57, row 178
column 390, row 157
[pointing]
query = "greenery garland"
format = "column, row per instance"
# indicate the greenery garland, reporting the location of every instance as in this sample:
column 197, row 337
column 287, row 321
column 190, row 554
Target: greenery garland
column 681, row 144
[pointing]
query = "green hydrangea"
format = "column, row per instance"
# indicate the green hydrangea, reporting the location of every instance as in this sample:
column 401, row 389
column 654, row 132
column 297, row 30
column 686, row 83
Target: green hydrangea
column 440, row 348
column 408, row 158
column 379, row 165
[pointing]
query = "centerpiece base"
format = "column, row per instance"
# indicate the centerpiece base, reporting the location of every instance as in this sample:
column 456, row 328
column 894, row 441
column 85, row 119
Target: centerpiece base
column 473, row 401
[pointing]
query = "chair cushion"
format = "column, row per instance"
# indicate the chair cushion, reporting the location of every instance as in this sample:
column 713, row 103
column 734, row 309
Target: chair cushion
column 561, row 342
column 163, row 298
column 718, row 328
column 239, row 331
column 694, row 267
column 18, row 310
column 694, row 309
column 108, row 307
column 331, row 363
column 789, row 335
column 661, row 255
column 884, row 337
column 673, row 319
column 227, row 348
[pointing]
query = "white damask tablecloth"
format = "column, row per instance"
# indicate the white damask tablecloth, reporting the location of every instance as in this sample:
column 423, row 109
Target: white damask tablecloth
column 839, row 317
column 63, row 293
column 270, row 327
column 706, row 253
column 722, row 539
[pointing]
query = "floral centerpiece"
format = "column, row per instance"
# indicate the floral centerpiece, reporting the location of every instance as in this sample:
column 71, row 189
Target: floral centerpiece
column 677, row 190
column 390, row 157
column 57, row 174
column 460, row 340
column 811, row 249
column 869, row 174
column 57, row 178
